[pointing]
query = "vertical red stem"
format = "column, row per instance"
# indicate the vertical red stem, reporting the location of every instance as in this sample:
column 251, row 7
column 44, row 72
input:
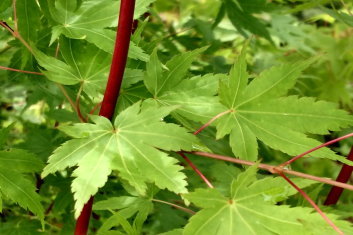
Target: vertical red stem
column 119, row 58
column 343, row 177
column 112, row 90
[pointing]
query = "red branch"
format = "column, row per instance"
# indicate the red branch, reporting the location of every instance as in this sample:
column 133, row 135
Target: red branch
column 20, row 71
column 316, row 207
column 119, row 59
column 111, row 94
column 196, row 170
column 343, row 177
column 193, row 166
column 212, row 120
column 316, row 148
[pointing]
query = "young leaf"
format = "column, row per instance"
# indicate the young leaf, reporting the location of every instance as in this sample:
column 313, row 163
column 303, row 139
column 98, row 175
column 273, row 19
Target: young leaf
column 83, row 64
column 129, row 146
column 24, row 161
column 230, row 215
column 90, row 22
column 257, row 111
column 195, row 97
column 16, row 187
column 240, row 14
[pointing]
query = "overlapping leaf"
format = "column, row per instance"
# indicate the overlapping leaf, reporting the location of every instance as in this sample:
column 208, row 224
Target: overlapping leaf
column 259, row 110
column 91, row 21
column 195, row 96
column 14, row 185
column 83, row 64
column 127, row 207
column 247, row 210
column 240, row 13
column 129, row 146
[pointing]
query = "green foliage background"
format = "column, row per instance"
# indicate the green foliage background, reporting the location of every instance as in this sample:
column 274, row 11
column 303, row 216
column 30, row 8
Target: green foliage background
column 280, row 70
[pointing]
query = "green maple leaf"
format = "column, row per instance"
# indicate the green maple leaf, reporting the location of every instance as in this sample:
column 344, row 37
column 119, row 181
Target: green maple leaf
column 28, row 19
column 83, row 64
column 87, row 65
column 91, row 21
column 14, row 184
column 127, row 207
column 247, row 210
column 259, row 110
column 240, row 13
column 129, row 146
column 195, row 97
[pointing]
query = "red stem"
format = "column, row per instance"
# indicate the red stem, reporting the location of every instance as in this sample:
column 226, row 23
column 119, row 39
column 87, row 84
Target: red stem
column 203, row 177
column 20, row 71
column 111, row 94
column 273, row 169
column 119, row 59
column 343, row 177
column 196, row 170
column 83, row 220
column 316, row 148
column 212, row 120
column 316, row 207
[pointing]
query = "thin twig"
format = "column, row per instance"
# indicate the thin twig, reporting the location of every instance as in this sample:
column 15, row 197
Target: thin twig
column 193, row 166
column 316, row 207
column 187, row 210
column 196, row 170
column 20, row 71
column 212, row 120
column 7, row 27
column 274, row 169
column 16, row 32
column 57, row 49
column 95, row 108
column 314, row 149
column 17, row 35
column 73, row 105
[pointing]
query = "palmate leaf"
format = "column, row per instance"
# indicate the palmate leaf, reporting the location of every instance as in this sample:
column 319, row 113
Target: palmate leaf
column 247, row 210
column 258, row 110
column 28, row 19
column 85, row 64
column 90, row 22
column 129, row 146
column 127, row 207
column 14, row 185
column 195, row 97
column 240, row 14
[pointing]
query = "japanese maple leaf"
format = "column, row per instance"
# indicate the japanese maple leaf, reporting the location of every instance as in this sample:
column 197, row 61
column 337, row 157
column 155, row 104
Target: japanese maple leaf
column 260, row 110
column 131, row 146
column 195, row 97
column 250, row 209
column 13, row 183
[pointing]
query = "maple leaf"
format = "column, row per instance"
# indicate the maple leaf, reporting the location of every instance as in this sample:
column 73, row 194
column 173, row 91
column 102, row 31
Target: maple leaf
column 247, row 210
column 90, row 22
column 129, row 146
column 195, row 96
column 126, row 207
column 240, row 15
column 14, row 184
column 258, row 110
column 87, row 65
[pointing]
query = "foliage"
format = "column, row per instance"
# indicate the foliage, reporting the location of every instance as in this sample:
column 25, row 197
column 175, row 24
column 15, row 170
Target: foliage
column 268, row 80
